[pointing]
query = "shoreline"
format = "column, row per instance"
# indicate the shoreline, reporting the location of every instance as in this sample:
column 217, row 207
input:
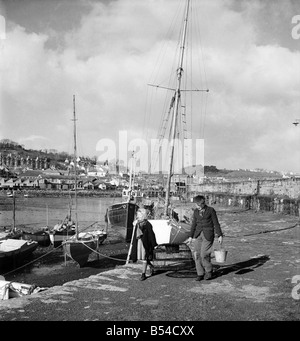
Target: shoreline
column 63, row 193
column 47, row 266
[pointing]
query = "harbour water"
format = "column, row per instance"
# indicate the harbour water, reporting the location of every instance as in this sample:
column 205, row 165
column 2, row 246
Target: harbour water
column 34, row 212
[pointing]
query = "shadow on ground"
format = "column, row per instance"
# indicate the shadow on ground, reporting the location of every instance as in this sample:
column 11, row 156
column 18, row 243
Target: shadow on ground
column 239, row 268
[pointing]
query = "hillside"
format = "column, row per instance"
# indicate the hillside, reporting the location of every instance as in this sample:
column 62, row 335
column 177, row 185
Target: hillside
column 57, row 160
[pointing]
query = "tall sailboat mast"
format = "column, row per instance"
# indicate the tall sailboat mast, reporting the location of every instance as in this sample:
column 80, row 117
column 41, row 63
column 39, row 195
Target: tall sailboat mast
column 175, row 110
column 130, row 178
column 75, row 170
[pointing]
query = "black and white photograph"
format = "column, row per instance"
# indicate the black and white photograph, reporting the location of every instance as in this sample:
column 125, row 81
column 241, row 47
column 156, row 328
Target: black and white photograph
column 149, row 163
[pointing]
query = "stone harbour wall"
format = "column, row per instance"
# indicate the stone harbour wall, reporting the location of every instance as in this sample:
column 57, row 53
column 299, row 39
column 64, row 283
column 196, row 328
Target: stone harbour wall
column 283, row 188
column 278, row 196
column 254, row 202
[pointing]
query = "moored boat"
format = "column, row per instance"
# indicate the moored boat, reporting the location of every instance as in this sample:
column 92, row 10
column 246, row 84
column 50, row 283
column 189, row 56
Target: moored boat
column 61, row 232
column 14, row 251
column 120, row 217
column 133, row 195
column 168, row 229
column 82, row 244
column 42, row 236
column 14, row 232
column 80, row 248
column 11, row 234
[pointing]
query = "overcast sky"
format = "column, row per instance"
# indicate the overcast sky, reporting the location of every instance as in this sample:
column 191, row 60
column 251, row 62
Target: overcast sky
column 105, row 52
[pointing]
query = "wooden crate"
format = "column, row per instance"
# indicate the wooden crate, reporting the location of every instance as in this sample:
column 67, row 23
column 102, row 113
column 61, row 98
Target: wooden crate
column 168, row 258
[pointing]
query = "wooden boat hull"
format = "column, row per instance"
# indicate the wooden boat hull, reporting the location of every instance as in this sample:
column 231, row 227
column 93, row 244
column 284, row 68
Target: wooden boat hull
column 57, row 237
column 42, row 237
column 167, row 231
column 14, row 251
column 80, row 249
column 121, row 216
column 170, row 232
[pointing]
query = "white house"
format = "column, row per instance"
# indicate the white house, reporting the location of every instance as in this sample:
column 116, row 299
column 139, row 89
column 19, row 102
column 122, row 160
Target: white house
column 97, row 171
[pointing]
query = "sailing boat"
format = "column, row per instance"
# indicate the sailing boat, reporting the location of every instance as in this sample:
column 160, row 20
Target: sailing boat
column 13, row 250
column 81, row 245
column 13, row 232
column 41, row 235
column 130, row 193
column 121, row 215
column 63, row 230
column 168, row 229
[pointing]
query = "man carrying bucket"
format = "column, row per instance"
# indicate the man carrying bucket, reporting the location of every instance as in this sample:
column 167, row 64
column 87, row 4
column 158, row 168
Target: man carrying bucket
column 205, row 225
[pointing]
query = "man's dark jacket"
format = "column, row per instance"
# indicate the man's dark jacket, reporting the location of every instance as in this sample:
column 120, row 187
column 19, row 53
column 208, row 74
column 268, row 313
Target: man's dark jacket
column 208, row 223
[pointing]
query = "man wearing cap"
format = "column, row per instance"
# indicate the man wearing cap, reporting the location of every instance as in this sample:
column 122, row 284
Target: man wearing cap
column 205, row 225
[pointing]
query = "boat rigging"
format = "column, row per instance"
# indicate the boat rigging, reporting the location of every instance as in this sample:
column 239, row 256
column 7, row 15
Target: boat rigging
column 167, row 228
column 175, row 106
column 81, row 245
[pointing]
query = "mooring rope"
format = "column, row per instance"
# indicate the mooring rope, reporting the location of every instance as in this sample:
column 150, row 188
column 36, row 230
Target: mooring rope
column 35, row 260
column 261, row 232
column 53, row 249
column 124, row 260
column 100, row 254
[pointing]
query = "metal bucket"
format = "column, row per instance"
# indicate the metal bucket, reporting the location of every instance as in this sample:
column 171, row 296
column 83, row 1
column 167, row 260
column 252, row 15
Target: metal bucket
column 220, row 255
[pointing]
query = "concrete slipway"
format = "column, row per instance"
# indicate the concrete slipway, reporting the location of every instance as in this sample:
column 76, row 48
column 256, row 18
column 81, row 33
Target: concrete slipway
column 260, row 280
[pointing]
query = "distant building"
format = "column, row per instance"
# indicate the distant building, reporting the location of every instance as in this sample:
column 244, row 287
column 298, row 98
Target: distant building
column 14, row 161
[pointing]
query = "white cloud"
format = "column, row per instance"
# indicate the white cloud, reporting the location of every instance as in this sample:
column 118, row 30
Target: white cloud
column 109, row 58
